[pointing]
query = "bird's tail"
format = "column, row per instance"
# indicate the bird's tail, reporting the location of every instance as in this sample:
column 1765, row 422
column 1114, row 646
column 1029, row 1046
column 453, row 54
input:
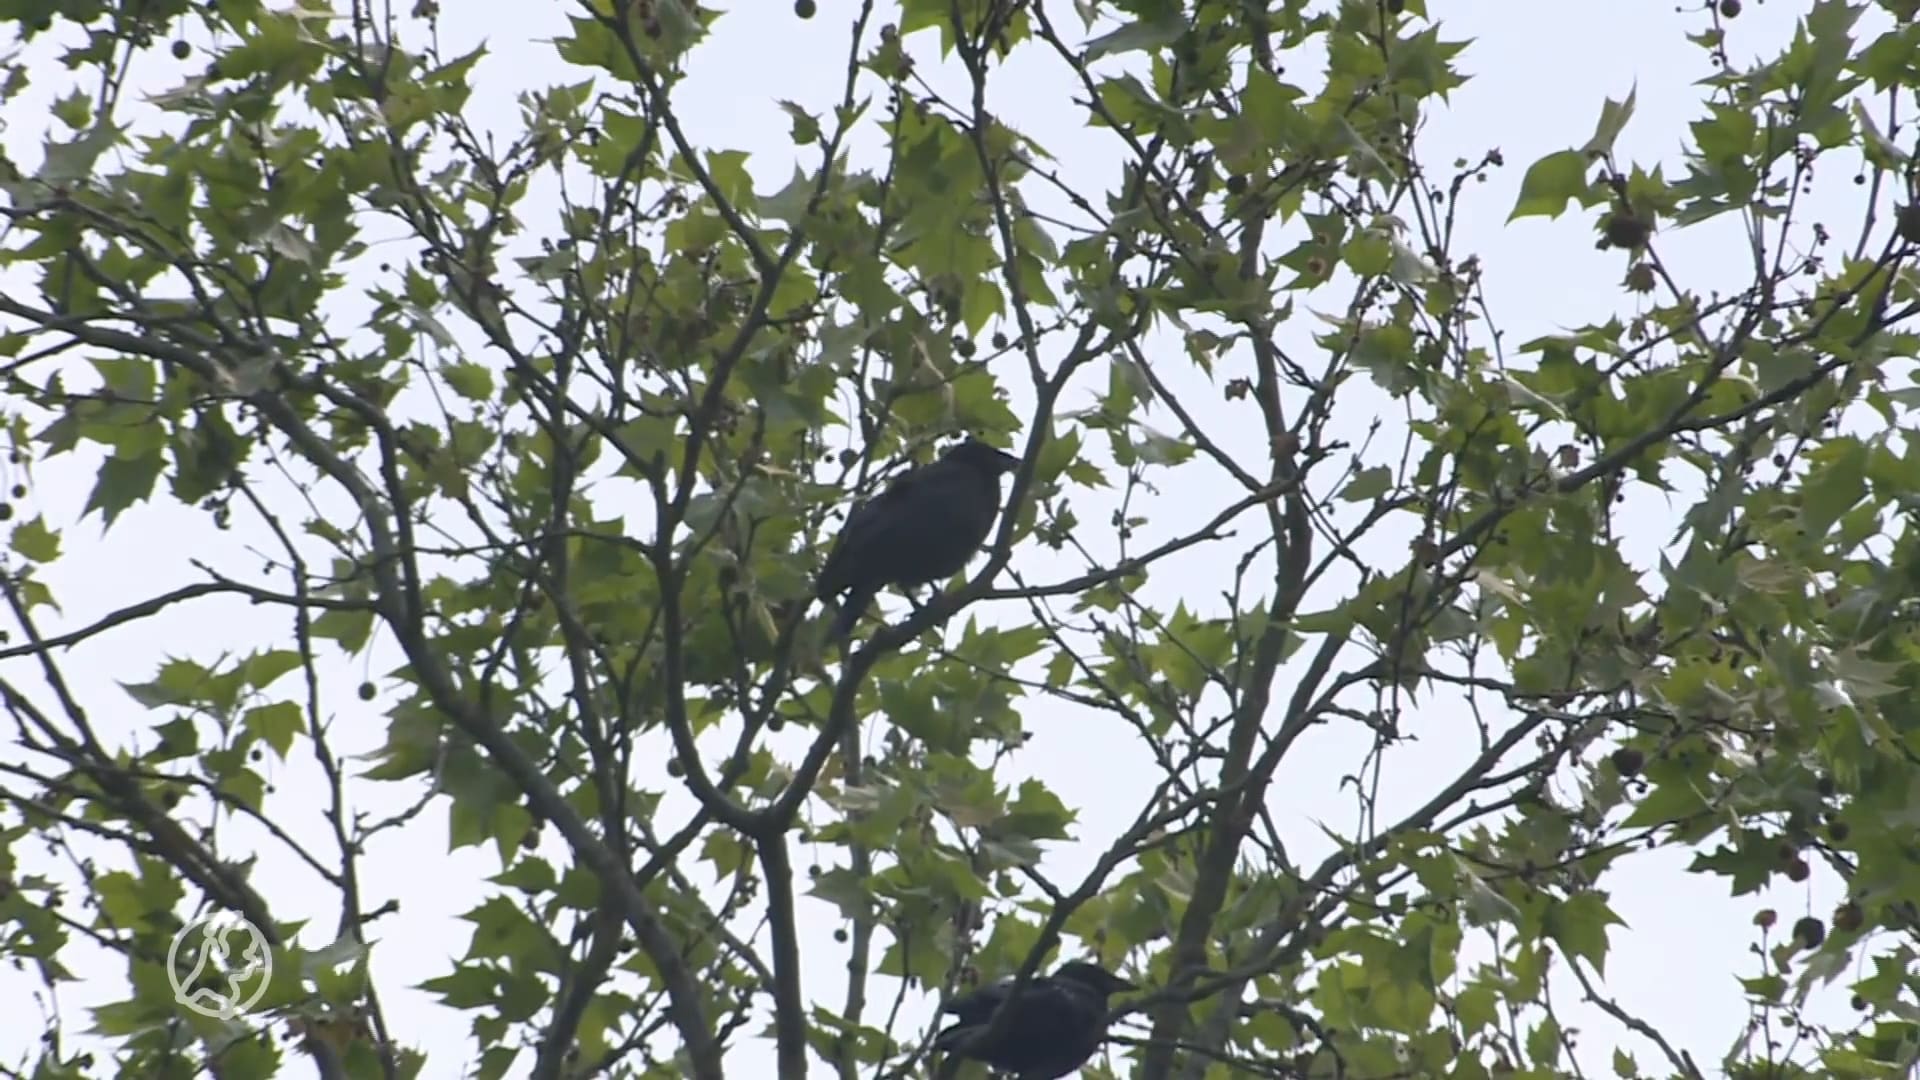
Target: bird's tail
column 853, row 605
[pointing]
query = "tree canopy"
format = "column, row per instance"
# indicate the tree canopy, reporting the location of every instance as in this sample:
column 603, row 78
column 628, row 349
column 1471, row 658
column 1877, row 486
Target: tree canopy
column 475, row 465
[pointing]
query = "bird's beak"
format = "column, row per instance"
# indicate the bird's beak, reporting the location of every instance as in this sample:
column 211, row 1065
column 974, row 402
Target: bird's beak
column 1008, row 462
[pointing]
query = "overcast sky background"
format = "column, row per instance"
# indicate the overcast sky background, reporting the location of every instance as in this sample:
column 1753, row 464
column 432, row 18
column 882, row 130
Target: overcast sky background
column 1539, row 74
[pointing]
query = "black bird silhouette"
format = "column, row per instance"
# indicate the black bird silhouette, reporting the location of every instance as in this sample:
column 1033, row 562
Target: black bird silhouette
column 924, row 527
column 1055, row 1024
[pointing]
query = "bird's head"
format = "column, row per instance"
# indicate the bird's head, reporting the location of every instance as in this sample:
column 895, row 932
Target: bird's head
column 989, row 460
column 1093, row 977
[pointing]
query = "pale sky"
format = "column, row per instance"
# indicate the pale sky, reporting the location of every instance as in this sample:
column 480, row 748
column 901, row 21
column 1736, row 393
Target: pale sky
column 1539, row 74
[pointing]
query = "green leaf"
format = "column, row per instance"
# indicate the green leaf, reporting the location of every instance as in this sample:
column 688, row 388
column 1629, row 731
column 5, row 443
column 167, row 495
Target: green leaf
column 1368, row 484
column 806, row 127
column 1613, row 117
column 263, row 669
column 1579, row 924
column 32, row 539
column 511, row 824
column 1543, row 1043
column 1836, row 482
column 425, row 320
column 468, row 379
column 69, row 163
column 1550, row 183
column 1478, row 1007
column 1137, row 36
column 467, row 986
column 351, row 627
column 1036, row 814
column 530, row 874
column 1369, row 253
column 845, row 890
column 1484, row 904
column 1161, row 449
column 74, row 110
column 343, row 951
column 277, row 724
column 120, row 898
column 122, row 1018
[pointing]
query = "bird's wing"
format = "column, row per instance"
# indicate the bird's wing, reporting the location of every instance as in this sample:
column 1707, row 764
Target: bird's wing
column 954, row 1037
column 1069, row 998
column 869, row 514
column 866, row 518
column 977, row 1006
column 1052, row 1028
column 833, row 572
column 1042, row 993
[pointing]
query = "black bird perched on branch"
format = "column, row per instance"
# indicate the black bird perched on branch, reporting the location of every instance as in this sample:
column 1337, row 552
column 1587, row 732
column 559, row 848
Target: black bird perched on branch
column 1056, row 1022
column 923, row 527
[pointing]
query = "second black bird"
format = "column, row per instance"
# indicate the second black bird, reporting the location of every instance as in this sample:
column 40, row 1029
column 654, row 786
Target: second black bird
column 1054, row 1025
column 924, row 527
